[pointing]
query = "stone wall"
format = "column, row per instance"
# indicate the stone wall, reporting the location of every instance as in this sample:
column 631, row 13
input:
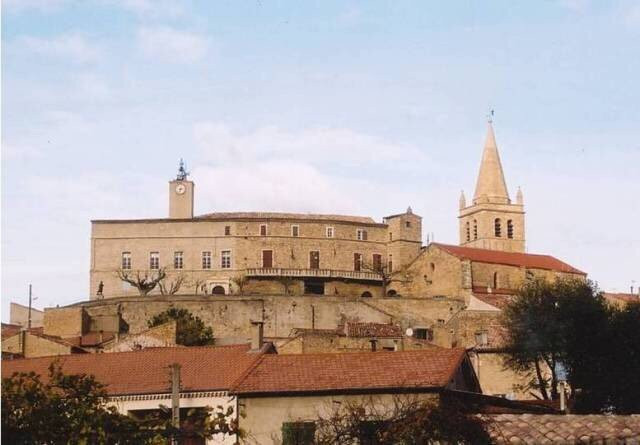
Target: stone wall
column 19, row 314
column 70, row 321
column 34, row 346
column 110, row 239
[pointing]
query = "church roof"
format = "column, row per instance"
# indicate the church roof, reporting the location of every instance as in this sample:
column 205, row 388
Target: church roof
column 491, row 186
column 528, row 260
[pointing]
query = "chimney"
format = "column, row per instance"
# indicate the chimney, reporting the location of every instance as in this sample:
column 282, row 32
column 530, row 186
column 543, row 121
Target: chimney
column 257, row 335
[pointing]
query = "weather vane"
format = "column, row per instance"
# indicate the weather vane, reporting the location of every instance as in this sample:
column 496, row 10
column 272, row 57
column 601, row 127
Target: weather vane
column 182, row 172
column 490, row 116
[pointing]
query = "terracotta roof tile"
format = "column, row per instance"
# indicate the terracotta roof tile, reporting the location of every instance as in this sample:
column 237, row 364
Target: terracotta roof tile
column 9, row 330
column 533, row 261
column 295, row 373
column 287, row 216
column 381, row 330
column 146, row 371
column 498, row 301
column 564, row 429
column 627, row 298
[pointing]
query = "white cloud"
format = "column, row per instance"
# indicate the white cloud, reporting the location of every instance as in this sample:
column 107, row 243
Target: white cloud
column 172, row 45
column 631, row 15
column 577, row 6
column 322, row 145
column 19, row 151
column 74, row 47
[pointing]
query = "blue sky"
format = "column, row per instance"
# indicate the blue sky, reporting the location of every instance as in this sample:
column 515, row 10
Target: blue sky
column 339, row 107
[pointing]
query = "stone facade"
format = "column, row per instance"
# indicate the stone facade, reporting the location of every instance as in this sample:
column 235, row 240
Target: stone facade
column 19, row 314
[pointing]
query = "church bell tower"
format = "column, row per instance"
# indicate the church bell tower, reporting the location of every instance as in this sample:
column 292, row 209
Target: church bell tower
column 181, row 195
column 492, row 221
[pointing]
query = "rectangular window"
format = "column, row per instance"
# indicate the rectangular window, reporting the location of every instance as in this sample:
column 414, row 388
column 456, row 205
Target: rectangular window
column 361, row 235
column 295, row 230
column 423, row 334
column 227, row 230
column 329, row 232
column 126, row 260
column 314, row 259
column 225, row 259
column 263, row 230
column 267, row 259
column 206, row 260
column 390, row 264
column 390, row 236
column 407, row 224
column 357, row 262
column 314, row 287
column 177, row 260
column 298, row 433
column 154, row 260
column 377, row 262
column 482, row 338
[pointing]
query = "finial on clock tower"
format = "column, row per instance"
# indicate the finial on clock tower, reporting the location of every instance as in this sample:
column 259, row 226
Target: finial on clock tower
column 182, row 172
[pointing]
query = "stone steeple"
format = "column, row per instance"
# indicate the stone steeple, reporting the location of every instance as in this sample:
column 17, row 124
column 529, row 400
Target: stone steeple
column 491, row 186
column 492, row 221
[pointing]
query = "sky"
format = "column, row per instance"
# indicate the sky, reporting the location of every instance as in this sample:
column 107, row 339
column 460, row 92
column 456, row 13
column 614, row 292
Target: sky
column 360, row 108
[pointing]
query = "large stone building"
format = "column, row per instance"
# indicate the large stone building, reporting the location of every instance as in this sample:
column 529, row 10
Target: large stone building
column 307, row 278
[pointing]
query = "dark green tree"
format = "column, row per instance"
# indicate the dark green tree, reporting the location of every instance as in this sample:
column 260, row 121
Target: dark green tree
column 568, row 324
column 190, row 330
column 67, row 409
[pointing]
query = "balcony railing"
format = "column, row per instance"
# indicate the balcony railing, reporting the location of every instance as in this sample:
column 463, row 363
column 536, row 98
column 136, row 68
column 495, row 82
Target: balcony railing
column 313, row 273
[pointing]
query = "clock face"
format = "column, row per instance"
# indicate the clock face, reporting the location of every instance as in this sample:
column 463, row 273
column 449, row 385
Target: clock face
column 180, row 189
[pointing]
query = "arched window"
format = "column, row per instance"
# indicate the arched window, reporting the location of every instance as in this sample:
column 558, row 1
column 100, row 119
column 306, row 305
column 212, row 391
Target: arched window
column 498, row 227
column 217, row 290
column 510, row 229
column 468, row 231
column 391, row 293
column 475, row 229
column 495, row 280
column 366, row 294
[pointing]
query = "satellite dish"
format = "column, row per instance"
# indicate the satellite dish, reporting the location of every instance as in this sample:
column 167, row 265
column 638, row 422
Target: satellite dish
column 409, row 332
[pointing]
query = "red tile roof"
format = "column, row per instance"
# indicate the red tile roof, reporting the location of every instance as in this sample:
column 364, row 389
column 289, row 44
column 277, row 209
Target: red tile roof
column 146, row 371
column 9, row 330
column 624, row 297
column 563, row 429
column 499, row 301
column 303, row 373
column 365, row 329
column 529, row 260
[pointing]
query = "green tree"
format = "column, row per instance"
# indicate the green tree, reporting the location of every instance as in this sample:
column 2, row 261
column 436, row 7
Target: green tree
column 70, row 409
column 66, row 409
column 191, row 330
column 567, row 324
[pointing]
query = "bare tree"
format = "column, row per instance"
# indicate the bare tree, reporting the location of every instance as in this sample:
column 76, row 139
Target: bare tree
column 398, row 420
column 144, row 281
column 198, row 284
column 387, row 276
column 286, row 282
column 240, row 280
column 172, row 287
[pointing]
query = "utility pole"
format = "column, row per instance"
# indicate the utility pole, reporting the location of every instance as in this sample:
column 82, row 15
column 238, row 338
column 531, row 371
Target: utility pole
column 29, row 316
column 175, row 399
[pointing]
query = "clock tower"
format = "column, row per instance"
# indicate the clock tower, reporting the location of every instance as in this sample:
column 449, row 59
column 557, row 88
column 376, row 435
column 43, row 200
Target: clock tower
column 181, row 195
